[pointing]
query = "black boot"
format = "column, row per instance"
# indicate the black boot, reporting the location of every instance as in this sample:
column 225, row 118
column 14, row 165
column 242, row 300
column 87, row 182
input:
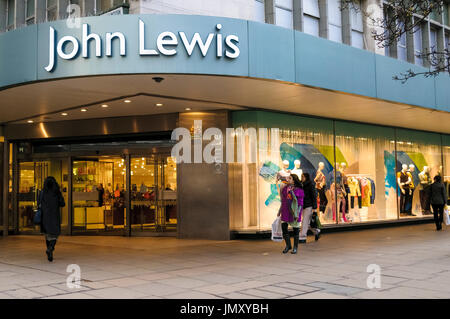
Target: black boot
column 296, row 239
column 287, row 239
column 50, row 250
column 47, row 251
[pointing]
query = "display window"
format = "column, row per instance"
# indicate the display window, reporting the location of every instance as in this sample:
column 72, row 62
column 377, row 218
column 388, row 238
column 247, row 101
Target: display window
column 366, row 170
column 419, row 159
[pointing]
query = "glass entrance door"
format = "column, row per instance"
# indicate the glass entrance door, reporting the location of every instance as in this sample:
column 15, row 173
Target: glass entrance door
column 153, row 193
column 98, row 194
column 31, row 180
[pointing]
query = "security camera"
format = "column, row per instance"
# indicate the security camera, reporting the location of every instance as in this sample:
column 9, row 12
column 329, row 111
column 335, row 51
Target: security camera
column 158, row 79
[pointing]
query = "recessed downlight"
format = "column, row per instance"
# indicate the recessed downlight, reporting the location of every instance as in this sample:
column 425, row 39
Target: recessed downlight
column 105, row 105
column 30, row 121
column 127, row 101
column 83, row 110
column 159, row 104
column 64, row 114
column 188, row 109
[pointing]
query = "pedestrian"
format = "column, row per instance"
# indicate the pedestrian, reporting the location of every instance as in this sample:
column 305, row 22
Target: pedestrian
column 309, row 206
column 50, row 201
column 438, row 200
column 290, row 211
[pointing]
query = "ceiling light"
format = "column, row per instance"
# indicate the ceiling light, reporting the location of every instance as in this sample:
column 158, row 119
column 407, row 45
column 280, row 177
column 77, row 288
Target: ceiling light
column 105, row 105
column 30, row 121
column 64, row 114
column 188, row 109
column 127, row 101
column 83, row 110
column 159, row 104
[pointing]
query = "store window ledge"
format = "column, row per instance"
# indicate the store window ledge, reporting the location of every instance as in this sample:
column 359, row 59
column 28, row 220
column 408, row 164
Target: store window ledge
column 341, row 227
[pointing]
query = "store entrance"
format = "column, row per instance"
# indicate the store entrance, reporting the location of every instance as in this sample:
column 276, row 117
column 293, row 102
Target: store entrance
column 99, row 194
column 153, row 193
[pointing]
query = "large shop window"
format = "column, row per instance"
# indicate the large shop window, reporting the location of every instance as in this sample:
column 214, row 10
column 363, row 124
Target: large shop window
column 365, row 165
column 305, row 143
column 418, row 161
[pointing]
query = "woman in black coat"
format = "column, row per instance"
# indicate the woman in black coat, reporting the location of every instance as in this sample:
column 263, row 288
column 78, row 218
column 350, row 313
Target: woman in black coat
column 438, row 198
column 50, row 203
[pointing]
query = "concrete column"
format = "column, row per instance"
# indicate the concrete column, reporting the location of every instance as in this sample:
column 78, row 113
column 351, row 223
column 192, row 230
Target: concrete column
column 89, row 8
column 298, row 14
column 202, row 189
column 41, row 11
column 269, row 8
column 426, row 42
column 346, row 26
column 323, row 22
column 2, row 15
column 410, row 45
column 62, row 9
column 20, row 14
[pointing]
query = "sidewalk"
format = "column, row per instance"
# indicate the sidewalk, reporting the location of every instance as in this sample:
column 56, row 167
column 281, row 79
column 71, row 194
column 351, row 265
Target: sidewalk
column 414, row 261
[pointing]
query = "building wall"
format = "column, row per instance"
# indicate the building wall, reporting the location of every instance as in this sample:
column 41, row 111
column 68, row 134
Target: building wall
column 240, row 9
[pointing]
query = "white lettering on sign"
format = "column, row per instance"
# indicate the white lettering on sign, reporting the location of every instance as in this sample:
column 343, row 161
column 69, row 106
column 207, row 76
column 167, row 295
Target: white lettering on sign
column 167, row 43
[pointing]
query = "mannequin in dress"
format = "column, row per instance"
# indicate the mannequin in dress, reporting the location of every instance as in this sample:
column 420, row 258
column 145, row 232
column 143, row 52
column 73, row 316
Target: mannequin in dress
column 297, row 170
column 321, row 183
column 425, row 182
column 283, row 174
column 404, row 181
column 412, row 187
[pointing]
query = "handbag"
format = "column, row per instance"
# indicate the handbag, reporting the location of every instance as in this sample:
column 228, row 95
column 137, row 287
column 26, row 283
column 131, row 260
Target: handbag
column 277, row 233
column 37, row 219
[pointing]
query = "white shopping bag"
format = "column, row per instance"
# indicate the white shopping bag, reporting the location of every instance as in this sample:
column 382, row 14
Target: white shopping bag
column 277, row 233
column 446, row 216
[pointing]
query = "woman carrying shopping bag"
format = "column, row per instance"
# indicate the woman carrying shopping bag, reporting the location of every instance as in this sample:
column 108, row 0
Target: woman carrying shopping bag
column 290, row 211
column 438, row 200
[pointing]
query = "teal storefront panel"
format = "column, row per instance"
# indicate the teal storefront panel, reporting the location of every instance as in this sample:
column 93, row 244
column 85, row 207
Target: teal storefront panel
column 416, row 91
column 271, row 52
column 442, row 83
column 18, row 56
column 331, row 65
column 266, row 52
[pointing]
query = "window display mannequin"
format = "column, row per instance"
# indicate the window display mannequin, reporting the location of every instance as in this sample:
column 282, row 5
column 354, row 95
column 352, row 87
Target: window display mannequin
column 404, row 180
column 283, row 174
column 412, row 187
column 321, row 183
column 345, row 185
column 297, row 170
column 425, row 182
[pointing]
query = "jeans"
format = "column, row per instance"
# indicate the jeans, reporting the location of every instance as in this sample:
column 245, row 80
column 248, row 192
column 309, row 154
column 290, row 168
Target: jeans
column 438, row 211
column 306, row 220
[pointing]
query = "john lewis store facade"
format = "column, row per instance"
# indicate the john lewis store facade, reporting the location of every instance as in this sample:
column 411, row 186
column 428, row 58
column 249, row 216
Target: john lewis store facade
column 97, row 104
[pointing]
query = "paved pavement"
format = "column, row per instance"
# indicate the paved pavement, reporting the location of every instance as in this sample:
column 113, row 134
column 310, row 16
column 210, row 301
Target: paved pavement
column 414, row 262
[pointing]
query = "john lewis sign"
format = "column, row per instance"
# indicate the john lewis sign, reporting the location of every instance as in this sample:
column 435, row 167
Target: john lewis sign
column 165, row 44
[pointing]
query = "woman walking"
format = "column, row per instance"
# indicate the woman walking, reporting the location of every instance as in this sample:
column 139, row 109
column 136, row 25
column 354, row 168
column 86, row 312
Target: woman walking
column 438, row 200
column 50, row 201
column 309, row 205
column 290, row 211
